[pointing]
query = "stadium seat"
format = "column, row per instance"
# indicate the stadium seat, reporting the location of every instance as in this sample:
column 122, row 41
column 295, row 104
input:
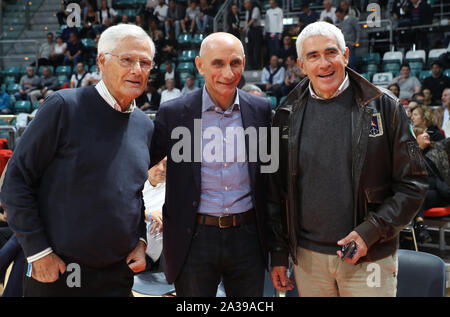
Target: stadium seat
column 415, row 56
column 185, row 67
column 12, row 71
column 273, row 101
column 433, row 55
column 183, row 77
column 62, row 80
column 393, row 57
column 371, row 58
column 382, row 79
column 420, row 274
column 36, row 105
column 447, row 72
column 184, row 39
column 437, row 212
column 63, row 70
column 22, row 106
column 41, row 68
column 93, row 69
column 198, row 38
column 12, row 88
column 370, row 68
column 187, row 56
column 367, row 76
column 131, row 13
column 88, row 44
column 162, row 67
column 9, row 80
column 424, row 74
column 199, row 81
column 391, row 67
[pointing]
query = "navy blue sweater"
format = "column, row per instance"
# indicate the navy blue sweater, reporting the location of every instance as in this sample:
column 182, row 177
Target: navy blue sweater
column 75, row 180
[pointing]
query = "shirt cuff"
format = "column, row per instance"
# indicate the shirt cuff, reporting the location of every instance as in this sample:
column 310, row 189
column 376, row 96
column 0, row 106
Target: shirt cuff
column 143, row 240
column 39, row 255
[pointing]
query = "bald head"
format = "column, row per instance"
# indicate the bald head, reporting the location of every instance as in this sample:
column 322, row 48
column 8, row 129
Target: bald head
column 216, row 41
column 221, row 62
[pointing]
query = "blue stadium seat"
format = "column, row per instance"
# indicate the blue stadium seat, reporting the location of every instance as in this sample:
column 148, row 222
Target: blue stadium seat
column 22, row 106
column 12, row 88
column 63, row 70
column 185, row 67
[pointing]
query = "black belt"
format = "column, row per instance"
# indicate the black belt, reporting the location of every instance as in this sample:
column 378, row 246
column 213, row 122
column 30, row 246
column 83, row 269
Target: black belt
column 227, row 221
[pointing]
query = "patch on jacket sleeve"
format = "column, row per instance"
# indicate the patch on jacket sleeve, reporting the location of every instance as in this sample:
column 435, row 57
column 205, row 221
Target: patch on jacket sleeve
column 376, row 127
column 285, row 132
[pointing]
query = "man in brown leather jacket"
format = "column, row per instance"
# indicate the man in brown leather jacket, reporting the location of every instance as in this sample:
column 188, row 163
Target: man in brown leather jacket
column 350, row 171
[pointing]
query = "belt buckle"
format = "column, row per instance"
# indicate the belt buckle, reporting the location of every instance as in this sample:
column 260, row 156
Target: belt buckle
column 220, row 222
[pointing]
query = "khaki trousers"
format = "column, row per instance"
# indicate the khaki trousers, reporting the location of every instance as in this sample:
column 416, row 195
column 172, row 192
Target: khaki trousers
column 323, row 275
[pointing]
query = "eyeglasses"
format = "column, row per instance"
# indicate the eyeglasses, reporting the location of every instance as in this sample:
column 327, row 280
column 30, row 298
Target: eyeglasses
column 128, row 62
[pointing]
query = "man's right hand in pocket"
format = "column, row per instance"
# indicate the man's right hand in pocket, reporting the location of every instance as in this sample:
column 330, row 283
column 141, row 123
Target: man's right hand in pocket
column 47, row 269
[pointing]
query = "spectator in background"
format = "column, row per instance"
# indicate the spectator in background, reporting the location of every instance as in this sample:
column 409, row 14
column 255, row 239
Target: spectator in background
column 401, row 13
column 98, row 29
column 206, row 17
column 170, row 92
column 93, row 78
column 169, row 72
column 59, row 51
column 138, row 21
column 5, row 102
column 79, row 77
column 90, row 20
column 421, row 13
column 293, row 75
column 125, row 19
column 45, row 50
column 160, row 12
column 62, row 14
column 328, row 11
column 154, row 194
column 254, row 90
column 446, row 105
column 28, row 82
column 287, row 49
column 150, row 99
column 189, row 85
column 438, row 193
column 106, row 12
column 233, row 22
column 436, row 83
column 253, row 34
column 395, row 89
column 169, row 49
column 409, row 85
column 47, row 85
column 422, row 117
column 273, row 28
column 347, row 9
column 427, row 97
column 272, row 77
column 192, row 13
column 308, row 16
column 175, row 14
column 74, row 52
column 351, row 30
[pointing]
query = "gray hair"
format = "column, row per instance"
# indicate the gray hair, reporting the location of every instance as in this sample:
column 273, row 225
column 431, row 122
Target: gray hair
column 113, row 35
column 320, row 28
column 251, row 87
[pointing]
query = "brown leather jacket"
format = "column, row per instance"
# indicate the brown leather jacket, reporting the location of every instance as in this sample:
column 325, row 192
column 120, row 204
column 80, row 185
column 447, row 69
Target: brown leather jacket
column 388, row 172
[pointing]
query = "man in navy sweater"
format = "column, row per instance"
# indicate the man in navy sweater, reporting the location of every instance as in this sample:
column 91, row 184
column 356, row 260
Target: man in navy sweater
column 73, row 188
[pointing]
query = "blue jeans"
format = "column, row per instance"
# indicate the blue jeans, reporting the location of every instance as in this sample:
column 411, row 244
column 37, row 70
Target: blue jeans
column 75, row 60
column 273, row 45
column 232, row 255
column 203, row 24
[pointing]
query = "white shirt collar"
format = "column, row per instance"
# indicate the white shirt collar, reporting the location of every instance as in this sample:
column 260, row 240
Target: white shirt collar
column 106, row 95
column 340, row 89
